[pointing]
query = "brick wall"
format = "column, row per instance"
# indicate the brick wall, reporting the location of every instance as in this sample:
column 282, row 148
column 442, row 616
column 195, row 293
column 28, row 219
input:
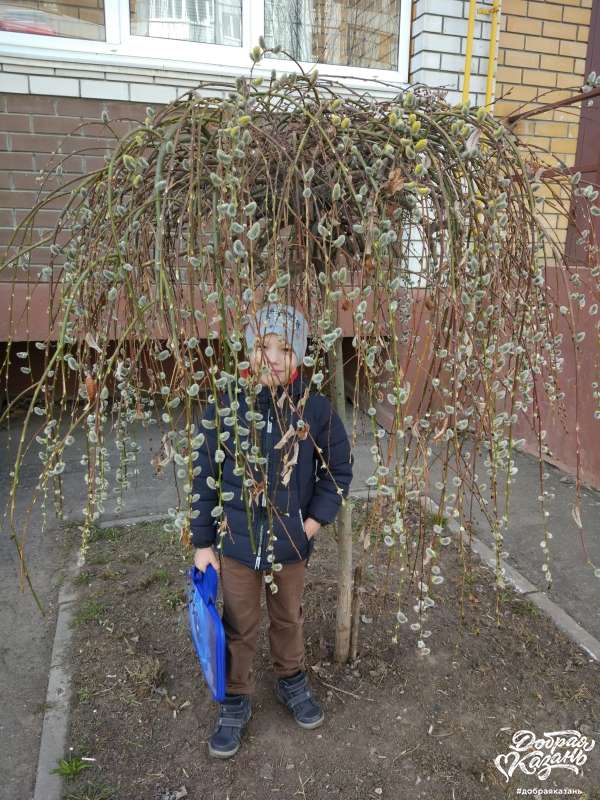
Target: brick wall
column 46, row 100
column 542, row 45
column 542, row 51
column 35, row 135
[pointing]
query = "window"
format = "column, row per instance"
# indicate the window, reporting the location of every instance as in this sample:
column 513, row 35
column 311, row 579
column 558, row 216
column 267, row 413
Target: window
column 370, row 36
column 189, row 20
column 357, row 33
column 41, row 18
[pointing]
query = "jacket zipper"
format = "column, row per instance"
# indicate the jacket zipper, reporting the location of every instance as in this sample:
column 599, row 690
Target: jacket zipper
column 264, row 497
column 257, row 563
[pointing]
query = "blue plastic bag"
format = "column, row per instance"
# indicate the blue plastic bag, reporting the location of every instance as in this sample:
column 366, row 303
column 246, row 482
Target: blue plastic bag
column 206, row 628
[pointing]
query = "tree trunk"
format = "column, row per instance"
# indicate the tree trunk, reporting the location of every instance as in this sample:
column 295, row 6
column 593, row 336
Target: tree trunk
column 355, row 613
column 344, row 582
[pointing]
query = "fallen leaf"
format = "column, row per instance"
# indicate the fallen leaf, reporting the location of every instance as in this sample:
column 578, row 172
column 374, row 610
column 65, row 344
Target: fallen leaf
column 289, row 465
column 256, row 491
column 395, row 181
column 162, row 458
column 92, row 342
column 440, row 433
column 303, row 432
column 91, row 386
column 290, row 432
column 473, row 139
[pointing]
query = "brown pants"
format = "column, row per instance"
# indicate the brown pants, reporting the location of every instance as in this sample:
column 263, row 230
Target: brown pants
column 242, row 588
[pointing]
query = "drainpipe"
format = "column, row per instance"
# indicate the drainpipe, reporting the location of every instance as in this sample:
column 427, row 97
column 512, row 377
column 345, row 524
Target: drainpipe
column 494, row 11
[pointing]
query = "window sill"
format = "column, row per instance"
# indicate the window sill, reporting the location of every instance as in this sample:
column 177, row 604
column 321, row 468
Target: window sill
column 107, row 58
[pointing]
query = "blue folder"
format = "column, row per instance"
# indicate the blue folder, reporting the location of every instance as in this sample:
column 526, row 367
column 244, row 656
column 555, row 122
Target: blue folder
column 206, row 628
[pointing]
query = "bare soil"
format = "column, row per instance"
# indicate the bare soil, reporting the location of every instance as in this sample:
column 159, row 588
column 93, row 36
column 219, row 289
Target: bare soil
column 398, row 725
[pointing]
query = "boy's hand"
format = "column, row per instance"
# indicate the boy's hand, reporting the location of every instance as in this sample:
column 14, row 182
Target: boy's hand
column 311, row 526
column 205, row 556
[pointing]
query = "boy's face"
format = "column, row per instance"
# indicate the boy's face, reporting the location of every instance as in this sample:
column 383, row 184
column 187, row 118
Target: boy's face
column 275, row 356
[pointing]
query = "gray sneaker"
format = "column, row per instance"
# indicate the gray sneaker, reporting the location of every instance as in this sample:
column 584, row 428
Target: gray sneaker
column 295, row 693
column 234, row 713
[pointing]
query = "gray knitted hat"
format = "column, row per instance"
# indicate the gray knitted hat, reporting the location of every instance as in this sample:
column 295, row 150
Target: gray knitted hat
column 286, row 321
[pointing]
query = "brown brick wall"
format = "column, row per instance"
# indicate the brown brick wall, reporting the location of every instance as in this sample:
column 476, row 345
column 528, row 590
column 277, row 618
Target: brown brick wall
column 34, row 135
column 542, row 49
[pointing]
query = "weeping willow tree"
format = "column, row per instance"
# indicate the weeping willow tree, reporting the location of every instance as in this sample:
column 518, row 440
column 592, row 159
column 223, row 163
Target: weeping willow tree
column 413, row 223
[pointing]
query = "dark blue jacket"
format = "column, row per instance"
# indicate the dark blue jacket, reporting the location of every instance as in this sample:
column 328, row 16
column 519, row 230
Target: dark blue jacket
column 312, row 490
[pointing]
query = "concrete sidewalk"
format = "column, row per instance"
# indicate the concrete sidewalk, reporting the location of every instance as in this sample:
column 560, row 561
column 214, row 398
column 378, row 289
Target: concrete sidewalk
column 574, row 587
column 27, row 638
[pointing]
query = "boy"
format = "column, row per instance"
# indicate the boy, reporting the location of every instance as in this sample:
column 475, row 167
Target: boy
column 299, row 489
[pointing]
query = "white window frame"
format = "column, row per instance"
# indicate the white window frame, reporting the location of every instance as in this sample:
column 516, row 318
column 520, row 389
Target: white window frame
column 122, row 49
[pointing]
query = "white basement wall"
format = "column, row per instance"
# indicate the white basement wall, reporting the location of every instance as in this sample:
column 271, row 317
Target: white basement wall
column 439, row 45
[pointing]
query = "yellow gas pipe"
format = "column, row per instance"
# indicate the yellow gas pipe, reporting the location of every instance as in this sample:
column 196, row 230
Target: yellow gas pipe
column 494, row 11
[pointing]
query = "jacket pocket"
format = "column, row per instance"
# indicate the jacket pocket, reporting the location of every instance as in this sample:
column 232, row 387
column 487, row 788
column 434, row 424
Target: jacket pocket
column 309, row 542
column 302, row 524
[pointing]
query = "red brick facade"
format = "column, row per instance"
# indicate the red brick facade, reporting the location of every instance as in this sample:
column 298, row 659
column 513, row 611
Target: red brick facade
column 35, row 134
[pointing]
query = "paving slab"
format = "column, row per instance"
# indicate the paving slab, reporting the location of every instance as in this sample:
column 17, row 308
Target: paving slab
column 28, row 638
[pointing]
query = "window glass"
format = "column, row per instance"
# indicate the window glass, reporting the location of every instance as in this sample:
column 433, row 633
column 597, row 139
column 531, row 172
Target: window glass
column 82, row 20
column 357, row 33
column 208, row 21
